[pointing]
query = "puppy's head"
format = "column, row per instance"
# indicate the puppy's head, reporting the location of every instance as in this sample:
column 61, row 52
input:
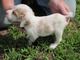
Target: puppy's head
column 19, row 14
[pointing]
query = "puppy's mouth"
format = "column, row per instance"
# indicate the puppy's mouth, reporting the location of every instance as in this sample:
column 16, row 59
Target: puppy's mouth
column 17, row 24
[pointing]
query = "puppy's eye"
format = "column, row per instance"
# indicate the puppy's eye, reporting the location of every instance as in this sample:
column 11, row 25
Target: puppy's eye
column 14, row 13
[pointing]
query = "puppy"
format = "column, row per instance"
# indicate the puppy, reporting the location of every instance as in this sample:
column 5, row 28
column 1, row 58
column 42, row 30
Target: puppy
column 36, row 26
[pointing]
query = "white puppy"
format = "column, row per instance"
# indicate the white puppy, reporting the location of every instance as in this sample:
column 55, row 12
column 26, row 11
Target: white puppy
column 39, row 26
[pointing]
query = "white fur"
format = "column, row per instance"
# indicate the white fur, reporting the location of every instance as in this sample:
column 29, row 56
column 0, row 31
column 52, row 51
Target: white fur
column 42, row 26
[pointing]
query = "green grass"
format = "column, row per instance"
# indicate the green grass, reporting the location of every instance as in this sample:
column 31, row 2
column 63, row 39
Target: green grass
column 15, row 47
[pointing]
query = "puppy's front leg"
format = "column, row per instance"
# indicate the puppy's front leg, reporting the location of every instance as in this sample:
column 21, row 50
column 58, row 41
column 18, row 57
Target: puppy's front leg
column 32, row 39
column 58, row 35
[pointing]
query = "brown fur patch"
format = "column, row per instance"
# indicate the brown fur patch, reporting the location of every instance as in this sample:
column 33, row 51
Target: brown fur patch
column 28, row 23
column 19, row 13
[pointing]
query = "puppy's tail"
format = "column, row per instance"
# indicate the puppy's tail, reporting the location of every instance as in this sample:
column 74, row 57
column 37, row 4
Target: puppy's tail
column 69, row 17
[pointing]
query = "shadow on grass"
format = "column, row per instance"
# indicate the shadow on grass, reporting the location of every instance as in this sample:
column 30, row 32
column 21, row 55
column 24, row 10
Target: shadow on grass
column 10, row 42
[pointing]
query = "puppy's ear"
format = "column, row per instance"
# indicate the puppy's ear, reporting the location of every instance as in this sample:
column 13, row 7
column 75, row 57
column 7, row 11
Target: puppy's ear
column 19, row 13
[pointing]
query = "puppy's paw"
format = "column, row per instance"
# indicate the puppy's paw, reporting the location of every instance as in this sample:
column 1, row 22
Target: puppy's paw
column 53, row 46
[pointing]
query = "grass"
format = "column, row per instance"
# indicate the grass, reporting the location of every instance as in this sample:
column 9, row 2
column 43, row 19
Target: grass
column 15, row 47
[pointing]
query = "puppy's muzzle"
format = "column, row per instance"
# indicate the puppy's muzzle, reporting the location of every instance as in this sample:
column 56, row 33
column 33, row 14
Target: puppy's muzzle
column 16, row 23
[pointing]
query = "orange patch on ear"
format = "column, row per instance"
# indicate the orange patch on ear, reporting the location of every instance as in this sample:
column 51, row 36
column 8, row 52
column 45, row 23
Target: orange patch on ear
column 19, row 13
column 14, row 13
